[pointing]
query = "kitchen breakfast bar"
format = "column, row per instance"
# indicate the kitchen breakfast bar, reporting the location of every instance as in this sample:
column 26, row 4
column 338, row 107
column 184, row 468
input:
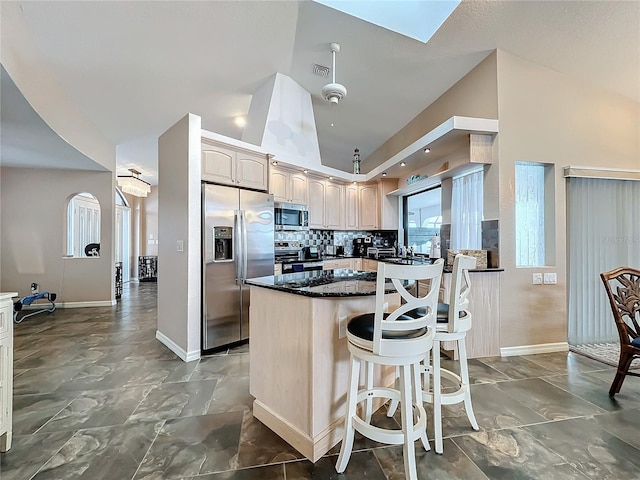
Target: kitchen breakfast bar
column 299, row 361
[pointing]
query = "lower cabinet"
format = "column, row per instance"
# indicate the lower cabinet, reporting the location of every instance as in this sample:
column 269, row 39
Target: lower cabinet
column 339, row 263
column 6, row 369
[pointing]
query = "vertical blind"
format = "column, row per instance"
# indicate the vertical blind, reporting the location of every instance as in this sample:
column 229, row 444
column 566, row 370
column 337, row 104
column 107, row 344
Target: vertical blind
column 603, row 233
column 466, row 211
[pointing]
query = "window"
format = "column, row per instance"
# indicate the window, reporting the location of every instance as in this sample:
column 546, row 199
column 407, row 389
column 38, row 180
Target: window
column 83, row 226
column 422, row 219
column 466, row 211
column 534, row 203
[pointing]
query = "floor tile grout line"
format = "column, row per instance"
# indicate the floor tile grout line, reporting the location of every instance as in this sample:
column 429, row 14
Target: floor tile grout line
column 573, row 394
column 164, row 422
column 56, row 414
column 470, row 459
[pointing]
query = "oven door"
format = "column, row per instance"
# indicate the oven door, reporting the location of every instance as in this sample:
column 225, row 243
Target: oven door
column 301, row 267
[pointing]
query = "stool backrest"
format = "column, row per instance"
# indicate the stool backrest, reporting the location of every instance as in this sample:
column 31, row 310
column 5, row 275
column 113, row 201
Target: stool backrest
column 623, row 289
column 459, row 315
column 398, row 334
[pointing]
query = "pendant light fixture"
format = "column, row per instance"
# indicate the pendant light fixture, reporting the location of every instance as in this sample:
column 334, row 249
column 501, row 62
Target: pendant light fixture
column 133, row 185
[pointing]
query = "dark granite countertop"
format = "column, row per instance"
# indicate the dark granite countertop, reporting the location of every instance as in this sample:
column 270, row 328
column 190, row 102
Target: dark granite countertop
column 322, row 283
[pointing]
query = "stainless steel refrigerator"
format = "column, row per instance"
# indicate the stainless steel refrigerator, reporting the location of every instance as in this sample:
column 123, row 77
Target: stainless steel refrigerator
column 237, row 243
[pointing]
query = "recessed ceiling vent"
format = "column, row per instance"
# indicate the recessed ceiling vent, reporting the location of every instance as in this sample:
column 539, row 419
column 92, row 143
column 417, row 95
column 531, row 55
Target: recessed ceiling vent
column 321, row 70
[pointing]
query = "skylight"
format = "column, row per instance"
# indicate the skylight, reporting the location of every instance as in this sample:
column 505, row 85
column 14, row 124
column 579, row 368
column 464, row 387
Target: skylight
column 415, row 19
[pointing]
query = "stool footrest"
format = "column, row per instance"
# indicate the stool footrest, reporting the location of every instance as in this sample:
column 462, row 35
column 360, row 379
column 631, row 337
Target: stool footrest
column 392, row 437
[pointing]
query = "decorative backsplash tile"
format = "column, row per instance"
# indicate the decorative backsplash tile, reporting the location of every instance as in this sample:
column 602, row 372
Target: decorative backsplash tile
column 323, row 238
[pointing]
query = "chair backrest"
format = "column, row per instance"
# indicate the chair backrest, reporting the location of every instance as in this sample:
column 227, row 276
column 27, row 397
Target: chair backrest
column 399, row 334
column 623, row 289
column 459, row 314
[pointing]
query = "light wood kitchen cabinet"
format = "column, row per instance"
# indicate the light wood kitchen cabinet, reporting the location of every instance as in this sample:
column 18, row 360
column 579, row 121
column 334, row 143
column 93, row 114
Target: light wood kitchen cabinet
column 368, row 206
column 338, row 263
column 6, row 370
column 357, row 264
column 277, row 269
column 369, row 265
column 230, row 166
column 388, row 204
column 326, row 204
column 334, row 206
column 351, row 206
column 316, row 202
column 288, row 186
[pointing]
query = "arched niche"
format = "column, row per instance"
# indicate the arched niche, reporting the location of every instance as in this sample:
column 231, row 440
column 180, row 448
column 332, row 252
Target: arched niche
column 83, row 226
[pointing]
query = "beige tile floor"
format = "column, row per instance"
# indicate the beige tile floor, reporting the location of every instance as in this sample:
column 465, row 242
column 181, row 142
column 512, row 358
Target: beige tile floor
column 97, row 397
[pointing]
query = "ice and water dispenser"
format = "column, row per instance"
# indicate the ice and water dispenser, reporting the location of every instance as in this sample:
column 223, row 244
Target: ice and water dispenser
column 222, row 244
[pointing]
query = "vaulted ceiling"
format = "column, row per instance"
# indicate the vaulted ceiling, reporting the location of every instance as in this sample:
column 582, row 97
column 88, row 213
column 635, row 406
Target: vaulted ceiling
column 135, row 67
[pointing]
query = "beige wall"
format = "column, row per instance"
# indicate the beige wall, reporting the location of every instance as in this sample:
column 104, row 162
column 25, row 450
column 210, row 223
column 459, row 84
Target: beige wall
column 179, row 209
column 475, row 95
column 33, row 231
column 548, row 117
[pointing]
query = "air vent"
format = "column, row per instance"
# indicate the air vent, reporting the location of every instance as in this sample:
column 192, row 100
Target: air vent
column 321, row 70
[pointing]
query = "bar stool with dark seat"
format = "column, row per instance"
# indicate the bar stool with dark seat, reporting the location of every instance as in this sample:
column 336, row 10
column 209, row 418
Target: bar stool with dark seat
column 394, row 339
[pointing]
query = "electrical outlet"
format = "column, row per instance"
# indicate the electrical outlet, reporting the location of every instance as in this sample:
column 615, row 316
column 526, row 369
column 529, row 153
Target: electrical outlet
column 180, row 246
column 550, row 279
column 342, row 326
column 537, row 279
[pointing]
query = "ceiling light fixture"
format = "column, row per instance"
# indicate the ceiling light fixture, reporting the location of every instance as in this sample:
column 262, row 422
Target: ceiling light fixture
column 133, row 185
column 275, row 162
column 240, row 121
column 305, row 171
column 334, row 92
column 427, row 150
column 403, row 164
column 384, row 174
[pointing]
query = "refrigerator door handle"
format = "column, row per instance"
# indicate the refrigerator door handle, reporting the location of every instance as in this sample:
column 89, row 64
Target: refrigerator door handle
column 237, row 219
column 244, row 245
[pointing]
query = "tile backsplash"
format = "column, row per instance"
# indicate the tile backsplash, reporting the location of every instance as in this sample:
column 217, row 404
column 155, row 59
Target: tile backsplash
column 323, row 238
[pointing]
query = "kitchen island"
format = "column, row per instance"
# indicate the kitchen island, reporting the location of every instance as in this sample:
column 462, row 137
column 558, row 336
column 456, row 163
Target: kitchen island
column 299, row 362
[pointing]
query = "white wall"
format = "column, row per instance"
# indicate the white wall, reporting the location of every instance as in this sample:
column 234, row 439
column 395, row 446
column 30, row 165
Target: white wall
column 33, row 231
column 179, row 218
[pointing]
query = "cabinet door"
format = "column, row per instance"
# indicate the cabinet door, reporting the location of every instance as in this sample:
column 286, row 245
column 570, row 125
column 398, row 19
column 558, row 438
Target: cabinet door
column 278, row 183
column 357, row 264
column 3, row 391
column 351, row 207
column 316, row 203
column 298, row 188
column 369, row 265
column 251, row 170
column 334, row 206
column 368, row 207
column 218, row 164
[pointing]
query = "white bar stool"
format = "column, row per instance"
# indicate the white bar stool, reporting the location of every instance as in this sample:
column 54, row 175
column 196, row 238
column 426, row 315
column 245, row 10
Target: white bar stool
column 397, row 340
column 453, row 323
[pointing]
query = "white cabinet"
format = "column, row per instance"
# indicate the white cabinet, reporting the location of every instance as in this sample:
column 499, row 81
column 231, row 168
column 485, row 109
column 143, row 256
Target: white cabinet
column 388, row 204
column 326, row 204
column 288, row 186
column 231, row 166
column 277, row 269
column 6, row 369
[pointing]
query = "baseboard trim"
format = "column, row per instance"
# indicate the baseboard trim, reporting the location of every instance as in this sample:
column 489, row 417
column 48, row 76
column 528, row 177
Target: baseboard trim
column 533, row 349
column 175, row 348
column 98, row 303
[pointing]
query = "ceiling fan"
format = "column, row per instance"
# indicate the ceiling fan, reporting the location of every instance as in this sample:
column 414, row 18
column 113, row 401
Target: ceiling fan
column 334, row 92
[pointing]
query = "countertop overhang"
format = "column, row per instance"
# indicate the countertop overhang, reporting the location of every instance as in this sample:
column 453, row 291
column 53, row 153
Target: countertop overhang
column 322, row 283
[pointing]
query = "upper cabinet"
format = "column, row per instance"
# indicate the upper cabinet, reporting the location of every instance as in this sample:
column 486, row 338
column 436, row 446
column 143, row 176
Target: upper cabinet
column 288, row 186
column 230, row 166
column 368, row 207
column 326, row 204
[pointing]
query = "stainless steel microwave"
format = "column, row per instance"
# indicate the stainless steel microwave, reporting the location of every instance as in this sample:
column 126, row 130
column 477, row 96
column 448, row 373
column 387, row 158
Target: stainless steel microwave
column 289, row 216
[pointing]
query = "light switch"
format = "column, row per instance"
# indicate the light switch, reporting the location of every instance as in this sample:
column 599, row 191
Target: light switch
column 537, row 279
column 180, row 246
column 550, row 279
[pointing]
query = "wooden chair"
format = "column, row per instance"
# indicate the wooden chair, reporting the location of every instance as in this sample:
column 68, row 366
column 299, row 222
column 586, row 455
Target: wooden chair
column 394, row 339
column 623, row 289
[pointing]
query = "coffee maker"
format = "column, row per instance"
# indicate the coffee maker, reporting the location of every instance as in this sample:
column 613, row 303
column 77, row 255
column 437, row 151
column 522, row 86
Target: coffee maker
column 360, row 246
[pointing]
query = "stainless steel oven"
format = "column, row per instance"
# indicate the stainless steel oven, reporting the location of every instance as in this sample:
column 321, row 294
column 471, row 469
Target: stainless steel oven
column 289, row 216
column 301, row 267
